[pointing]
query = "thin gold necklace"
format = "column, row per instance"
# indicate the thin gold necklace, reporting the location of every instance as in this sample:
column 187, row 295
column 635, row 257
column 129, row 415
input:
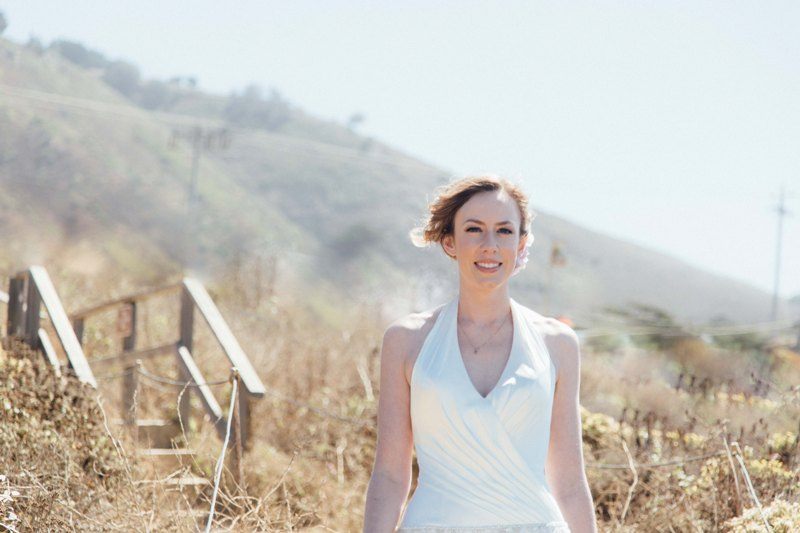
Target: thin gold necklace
column 475, row 349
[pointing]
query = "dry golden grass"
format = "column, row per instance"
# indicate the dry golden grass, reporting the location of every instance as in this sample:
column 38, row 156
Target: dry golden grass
column 314, row 434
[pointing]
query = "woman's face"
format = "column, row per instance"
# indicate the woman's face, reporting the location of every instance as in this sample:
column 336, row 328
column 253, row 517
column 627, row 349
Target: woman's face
column 486, row 238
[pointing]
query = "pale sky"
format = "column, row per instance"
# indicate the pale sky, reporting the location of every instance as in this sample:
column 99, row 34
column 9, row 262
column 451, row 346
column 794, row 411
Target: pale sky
column 668, row 124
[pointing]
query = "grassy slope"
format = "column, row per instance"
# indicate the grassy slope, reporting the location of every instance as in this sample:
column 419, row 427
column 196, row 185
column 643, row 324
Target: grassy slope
column 108, row 180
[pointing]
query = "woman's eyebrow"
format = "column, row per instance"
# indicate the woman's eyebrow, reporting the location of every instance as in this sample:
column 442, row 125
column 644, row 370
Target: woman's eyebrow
column 479, row 222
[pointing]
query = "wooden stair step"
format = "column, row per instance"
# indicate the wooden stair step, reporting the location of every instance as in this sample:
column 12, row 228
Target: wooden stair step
column 147, row 422
column 179, row 481
column 194, row 513
column 164, row 452
column 164, row 459
column 154, row 432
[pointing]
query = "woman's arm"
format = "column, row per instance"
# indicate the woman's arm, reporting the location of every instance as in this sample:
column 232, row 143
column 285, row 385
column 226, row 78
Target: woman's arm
column 564, row 468
column 391, row 472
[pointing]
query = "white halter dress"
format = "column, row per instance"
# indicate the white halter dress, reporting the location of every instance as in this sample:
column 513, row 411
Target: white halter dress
column 481, row 459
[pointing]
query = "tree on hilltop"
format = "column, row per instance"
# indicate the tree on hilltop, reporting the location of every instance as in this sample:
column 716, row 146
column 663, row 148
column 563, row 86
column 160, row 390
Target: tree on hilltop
column 123, row 76
column 251, row 109
column 79, row 54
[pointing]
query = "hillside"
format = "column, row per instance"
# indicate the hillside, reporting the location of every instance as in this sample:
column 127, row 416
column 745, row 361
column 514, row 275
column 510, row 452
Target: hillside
column 94, row 183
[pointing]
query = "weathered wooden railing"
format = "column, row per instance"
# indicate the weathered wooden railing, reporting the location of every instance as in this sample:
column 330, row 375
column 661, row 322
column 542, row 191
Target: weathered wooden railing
column 31, row 289
column 193, row 296
column 28, row 291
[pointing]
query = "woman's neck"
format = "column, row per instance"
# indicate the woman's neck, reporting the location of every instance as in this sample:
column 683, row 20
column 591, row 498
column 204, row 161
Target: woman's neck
column 483, row 308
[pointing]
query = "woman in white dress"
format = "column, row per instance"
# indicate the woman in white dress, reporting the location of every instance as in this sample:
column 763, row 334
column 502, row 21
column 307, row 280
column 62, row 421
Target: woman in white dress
column 485, row 390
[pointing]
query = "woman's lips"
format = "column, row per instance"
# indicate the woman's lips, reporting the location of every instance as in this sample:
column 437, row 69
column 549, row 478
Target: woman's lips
column 488, row 270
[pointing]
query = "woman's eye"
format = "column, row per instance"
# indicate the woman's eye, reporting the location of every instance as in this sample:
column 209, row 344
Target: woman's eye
column 508, row 231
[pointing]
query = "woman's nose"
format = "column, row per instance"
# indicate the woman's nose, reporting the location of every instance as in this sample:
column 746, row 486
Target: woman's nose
column 490, row 241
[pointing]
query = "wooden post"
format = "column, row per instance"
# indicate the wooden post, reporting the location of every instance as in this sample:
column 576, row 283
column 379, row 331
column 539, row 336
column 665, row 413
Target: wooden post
column 236, row 433
column 127, row 324
column 129, row 340
column 187, row 319
column 243, row 412
column 34, row 305
column 186, row 331
column 77, row 326
column 130, row 387
column 14, row 318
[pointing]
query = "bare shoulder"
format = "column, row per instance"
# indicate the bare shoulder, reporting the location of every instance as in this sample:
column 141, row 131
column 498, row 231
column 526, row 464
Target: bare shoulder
column 406, row 335
column 560, row 339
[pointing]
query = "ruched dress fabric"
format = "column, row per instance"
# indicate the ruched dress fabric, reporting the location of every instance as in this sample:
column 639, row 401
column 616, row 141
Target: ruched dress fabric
column 481, row 459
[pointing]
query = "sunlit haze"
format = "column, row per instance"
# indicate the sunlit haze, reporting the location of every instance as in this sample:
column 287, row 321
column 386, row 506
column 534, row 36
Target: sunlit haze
column 671, row 124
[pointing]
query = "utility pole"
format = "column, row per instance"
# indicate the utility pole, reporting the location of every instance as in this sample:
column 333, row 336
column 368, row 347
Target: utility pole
column 200, row 139
column 782, row 211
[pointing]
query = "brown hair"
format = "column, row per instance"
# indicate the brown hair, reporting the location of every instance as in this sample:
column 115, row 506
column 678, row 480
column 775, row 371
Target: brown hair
column 451, row 196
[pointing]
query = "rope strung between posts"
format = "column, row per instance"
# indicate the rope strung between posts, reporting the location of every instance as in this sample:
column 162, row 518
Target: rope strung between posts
column 655, row 465
column 156, row 386
column 221, row 459
column 108, row 377
column 322, row 412
column 160, row 379
column 176, row 383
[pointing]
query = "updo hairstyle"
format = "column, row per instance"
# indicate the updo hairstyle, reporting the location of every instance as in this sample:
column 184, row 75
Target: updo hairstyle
column 451, row 196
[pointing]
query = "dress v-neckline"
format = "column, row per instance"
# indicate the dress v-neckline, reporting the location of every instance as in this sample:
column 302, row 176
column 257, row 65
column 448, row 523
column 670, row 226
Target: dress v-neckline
column 462, row 364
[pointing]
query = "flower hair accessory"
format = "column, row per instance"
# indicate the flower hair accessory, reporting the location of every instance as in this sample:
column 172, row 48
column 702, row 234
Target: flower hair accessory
column 522, row 257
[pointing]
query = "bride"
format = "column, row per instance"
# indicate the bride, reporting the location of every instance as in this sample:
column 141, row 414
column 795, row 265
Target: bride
column 484, row 389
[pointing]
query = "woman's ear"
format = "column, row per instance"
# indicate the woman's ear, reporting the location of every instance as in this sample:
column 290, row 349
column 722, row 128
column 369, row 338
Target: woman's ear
column 448, row 243
column 523, row 241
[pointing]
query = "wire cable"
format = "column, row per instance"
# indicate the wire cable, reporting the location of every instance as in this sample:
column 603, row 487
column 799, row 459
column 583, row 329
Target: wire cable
column 221, row 458
column 176, row 383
